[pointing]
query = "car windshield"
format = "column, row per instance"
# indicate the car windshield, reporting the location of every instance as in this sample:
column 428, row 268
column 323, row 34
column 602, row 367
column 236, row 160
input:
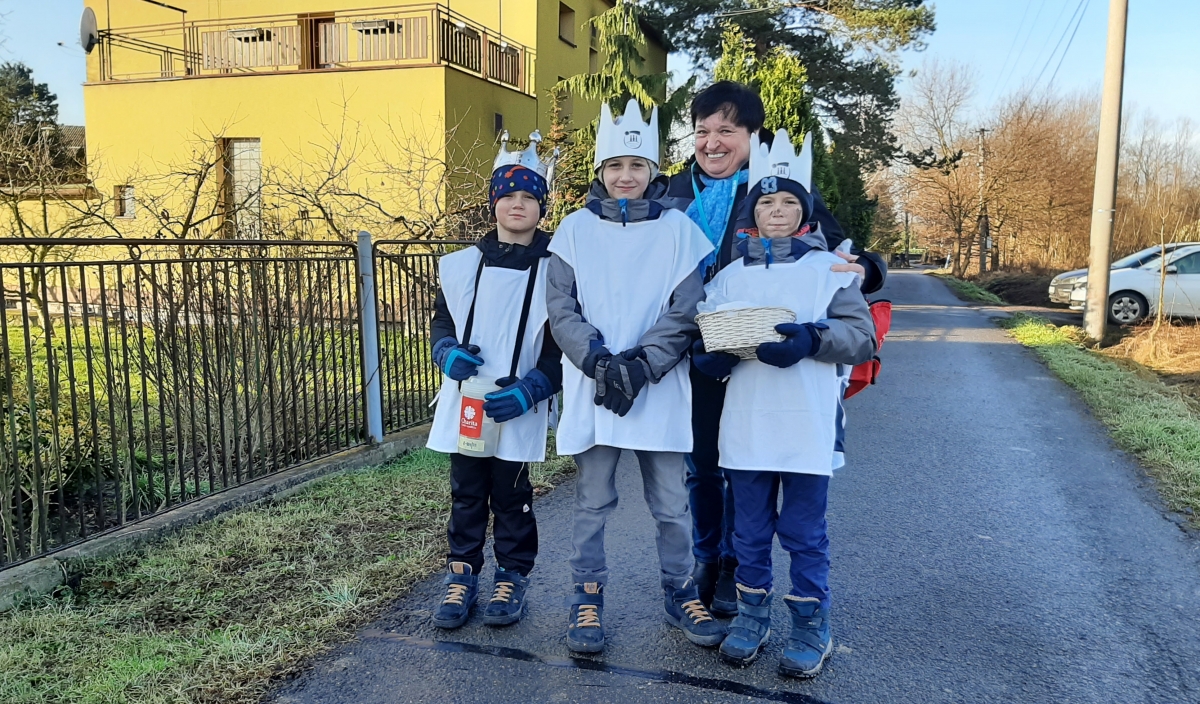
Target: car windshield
column 1137, row 258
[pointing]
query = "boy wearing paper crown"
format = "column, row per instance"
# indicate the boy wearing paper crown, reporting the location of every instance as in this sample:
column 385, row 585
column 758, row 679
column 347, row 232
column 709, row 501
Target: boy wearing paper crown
column 490, row 321
column 623, row 284
column 783, row 408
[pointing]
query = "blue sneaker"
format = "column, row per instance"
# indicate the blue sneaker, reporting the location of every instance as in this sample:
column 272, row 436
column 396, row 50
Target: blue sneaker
column 461, row 589
column 811, row 641
column 508, row 599
column 585, row 632
column 686, row 612
column 751, row 629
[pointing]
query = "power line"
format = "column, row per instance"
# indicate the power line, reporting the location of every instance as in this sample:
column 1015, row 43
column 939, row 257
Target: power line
column 1067, row 28
column 1069, row 43
column 1016, row 38
column 1053, row 29
column 1011, row 68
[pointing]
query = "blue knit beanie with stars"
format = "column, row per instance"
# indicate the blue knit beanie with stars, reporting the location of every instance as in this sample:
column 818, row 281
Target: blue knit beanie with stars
column 509, row 179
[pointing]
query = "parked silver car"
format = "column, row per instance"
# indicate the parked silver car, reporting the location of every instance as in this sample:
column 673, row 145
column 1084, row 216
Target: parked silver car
column 1062, row 285
column 1134, row 291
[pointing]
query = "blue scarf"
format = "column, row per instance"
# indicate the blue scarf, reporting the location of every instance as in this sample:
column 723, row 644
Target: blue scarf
column 711, row 208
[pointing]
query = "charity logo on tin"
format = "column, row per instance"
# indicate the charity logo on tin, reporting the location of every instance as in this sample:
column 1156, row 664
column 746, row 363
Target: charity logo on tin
column 468, row 421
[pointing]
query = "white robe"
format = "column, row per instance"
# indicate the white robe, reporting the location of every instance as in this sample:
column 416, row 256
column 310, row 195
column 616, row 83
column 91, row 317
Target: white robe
column 782, row 420
column 497, row 315
column 625, row 275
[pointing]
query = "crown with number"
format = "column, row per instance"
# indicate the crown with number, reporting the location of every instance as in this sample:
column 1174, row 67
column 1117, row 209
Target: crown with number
column 527, row 158
column 781, row 160
column 627, row 135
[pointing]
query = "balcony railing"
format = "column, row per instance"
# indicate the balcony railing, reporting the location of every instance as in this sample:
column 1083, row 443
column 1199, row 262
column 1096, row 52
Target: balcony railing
column 407, row 36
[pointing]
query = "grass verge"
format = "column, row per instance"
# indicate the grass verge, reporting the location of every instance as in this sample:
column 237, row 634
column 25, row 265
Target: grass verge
column 1146, row 417
column 219, row 612
column 967, row 290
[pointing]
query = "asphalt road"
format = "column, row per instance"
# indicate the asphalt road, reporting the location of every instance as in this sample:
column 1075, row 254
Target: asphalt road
column 989, row 545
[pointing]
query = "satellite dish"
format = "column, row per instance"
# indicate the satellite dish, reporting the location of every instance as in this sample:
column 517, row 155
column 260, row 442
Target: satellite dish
column 89, row 34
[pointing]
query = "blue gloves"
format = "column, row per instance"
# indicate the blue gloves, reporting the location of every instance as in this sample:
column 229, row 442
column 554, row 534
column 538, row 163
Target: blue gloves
column 596, row 353
column 802, row 341
column 517, row 396
column 619, row 379
column 718, row 365
column 459, row 362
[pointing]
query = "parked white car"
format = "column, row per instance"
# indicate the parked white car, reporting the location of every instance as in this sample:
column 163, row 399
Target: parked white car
column 1134, row 290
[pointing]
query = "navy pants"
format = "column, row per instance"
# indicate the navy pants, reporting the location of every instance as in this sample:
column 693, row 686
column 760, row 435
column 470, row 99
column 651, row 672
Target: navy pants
column 710, row 495
column 800, row 525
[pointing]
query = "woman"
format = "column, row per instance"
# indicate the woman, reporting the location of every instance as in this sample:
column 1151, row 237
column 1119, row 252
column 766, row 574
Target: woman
column 711, row 191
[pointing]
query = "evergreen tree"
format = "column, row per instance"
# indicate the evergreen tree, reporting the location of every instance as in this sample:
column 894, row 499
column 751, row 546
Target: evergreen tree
column 24, row 101
column 845, row 45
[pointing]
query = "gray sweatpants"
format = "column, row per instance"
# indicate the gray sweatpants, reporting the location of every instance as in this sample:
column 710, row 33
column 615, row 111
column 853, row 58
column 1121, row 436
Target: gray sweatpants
column 663, row 475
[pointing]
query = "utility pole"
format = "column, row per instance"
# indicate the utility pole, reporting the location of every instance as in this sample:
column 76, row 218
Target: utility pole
column 1104, row 198
column 907, row 242
column 984, row 226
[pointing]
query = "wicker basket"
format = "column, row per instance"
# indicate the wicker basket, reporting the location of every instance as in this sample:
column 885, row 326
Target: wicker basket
column 741, row 330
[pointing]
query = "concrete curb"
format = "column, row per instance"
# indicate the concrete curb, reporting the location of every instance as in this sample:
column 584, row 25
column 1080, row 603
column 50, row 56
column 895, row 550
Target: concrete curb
column 45, row 574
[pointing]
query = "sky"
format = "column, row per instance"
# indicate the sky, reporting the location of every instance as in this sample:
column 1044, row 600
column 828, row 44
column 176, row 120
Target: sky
column 1008, row 42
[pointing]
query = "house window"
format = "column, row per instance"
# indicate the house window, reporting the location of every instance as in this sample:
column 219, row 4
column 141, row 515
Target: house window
column 593, row 61
column 124, row 202
column 242, row 192
column 566, row 24
column 498, row 119
column 324, row 41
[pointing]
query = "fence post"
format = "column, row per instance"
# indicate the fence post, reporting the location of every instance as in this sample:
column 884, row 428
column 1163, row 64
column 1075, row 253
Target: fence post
column 369, row 318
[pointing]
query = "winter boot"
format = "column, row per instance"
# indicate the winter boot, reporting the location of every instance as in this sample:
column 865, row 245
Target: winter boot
column 461, row 589
column 751, row 629
column 725, row 594
column 704, row 574
column 508, row 599
column 585, row 632
column 686, row 612
column 811, row 641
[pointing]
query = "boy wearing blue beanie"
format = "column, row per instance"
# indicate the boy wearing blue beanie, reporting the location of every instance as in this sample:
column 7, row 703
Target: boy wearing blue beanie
column 489, row 322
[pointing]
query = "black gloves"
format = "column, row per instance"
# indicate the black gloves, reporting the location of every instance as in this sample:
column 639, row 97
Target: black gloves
column 619, row 379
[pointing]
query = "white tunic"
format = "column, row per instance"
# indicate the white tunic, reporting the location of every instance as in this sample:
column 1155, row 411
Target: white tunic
column 782, row 420
column 624, row 276
column 497, row 315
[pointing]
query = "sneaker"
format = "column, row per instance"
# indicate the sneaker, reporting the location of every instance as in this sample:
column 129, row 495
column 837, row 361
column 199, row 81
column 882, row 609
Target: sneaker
column 508, row 599
column 461, row 589
column 686, row 612
column 751, row 629
column 704, row 574
column 585, row 632
column 725, row 594
column 811, row 641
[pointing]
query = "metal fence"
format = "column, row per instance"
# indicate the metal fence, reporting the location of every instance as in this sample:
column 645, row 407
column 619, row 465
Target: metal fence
column 406, row 276
column 138, row 375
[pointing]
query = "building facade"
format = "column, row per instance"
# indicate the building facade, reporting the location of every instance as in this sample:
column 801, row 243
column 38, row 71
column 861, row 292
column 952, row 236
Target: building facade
column 383, row 107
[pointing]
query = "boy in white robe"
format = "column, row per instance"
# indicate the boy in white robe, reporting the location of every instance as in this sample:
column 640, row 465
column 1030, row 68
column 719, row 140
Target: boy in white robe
column 780, row 420
column 489, row 321
column 623, row 287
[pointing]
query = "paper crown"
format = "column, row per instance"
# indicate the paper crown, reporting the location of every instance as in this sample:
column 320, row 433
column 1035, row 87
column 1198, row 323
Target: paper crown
column 781, row 160
column 528, row 157
column 627, row 135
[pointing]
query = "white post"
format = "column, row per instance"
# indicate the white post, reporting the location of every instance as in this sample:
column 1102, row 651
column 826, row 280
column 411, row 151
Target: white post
column 1104, row 197
column 369, row 319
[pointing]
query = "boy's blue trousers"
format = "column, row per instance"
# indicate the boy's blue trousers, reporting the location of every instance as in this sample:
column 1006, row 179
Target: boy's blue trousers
column 800, row 525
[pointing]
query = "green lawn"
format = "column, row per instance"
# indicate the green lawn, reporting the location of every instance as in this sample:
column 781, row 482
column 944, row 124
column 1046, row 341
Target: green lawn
column 219, row 612
column 1146, row 417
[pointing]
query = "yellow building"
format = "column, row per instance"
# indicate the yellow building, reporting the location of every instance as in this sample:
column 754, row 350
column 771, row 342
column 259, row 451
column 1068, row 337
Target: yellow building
column 334, row 105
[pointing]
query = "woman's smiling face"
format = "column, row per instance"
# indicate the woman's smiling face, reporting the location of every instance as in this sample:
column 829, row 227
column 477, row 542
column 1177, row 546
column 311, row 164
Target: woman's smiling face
column 722, row 146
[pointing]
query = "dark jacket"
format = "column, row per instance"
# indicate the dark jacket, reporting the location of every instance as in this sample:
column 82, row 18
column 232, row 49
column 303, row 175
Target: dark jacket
column 506, row 256
column 680, row 195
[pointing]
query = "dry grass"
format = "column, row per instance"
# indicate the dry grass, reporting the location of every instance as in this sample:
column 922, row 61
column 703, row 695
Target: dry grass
column 1169, row 349
column 219, row 612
